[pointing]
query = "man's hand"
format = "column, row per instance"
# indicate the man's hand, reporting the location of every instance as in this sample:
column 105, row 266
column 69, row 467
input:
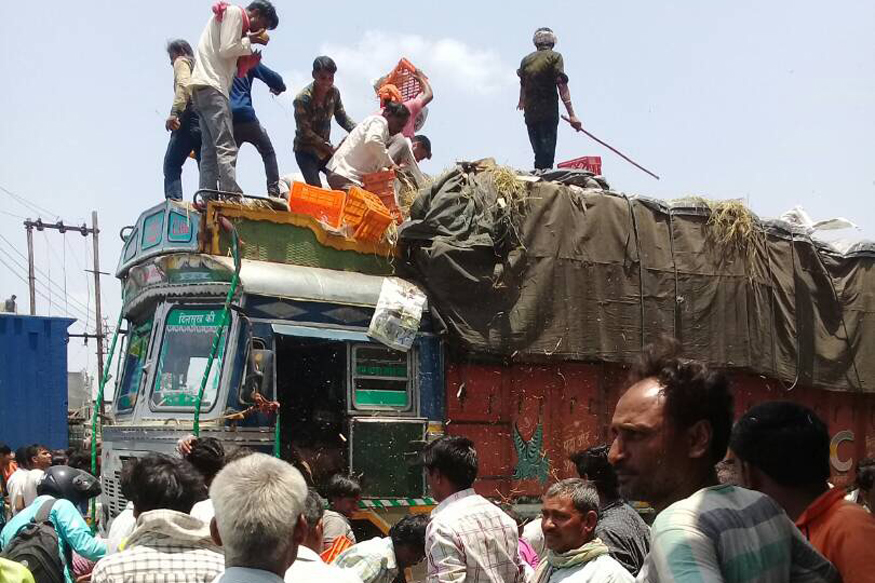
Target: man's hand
column 172, row 123
column 259, row 37
column 277, row 91
column 575, row 123
column 184, row 445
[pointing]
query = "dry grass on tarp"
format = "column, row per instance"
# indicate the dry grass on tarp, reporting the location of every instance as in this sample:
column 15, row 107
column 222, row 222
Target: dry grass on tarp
column 731, row 226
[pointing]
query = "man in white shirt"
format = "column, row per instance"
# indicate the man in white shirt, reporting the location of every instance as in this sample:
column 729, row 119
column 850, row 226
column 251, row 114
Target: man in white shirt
column 366, row 148
column 39, row 459
column 17, row 481
column 575, row 555
column 309, row 566
column 408, row 152
column 225, row 51
column 381, row 560
column 264, row 495
column 469, row 539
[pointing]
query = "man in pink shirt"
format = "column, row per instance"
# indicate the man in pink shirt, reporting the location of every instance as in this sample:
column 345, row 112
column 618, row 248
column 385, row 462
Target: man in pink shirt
column 416, row 106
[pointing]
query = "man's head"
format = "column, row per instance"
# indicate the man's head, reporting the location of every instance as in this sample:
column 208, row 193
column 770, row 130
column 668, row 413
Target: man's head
column 781, row 445
column 450, row 465
column 865, row 481
column 207, row 456
column 69, row 483
column 324, row 69
column 343, row 494
column 21, row 458
column 81, row 460
column 60, row 457
column 544, row 38
column 569, row 514
column 179, row 48
column 262, row 15
column 160, row 482
column 670, row 428
column 259, row 501
column 5, row 455
column 408, row 539
column 314, row 510
column 39, row 457
column 421, row 148
column 397, row 115
column 593, row 465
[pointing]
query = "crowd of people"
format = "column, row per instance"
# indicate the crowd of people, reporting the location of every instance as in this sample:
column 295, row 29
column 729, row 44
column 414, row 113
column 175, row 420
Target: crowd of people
column 209, row 515
column 212, row 114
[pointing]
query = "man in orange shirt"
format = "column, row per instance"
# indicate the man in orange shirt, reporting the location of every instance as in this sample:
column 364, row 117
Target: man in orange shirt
column 783, row 451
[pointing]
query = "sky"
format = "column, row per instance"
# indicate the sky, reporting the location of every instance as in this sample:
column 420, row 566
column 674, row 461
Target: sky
column 769, row 102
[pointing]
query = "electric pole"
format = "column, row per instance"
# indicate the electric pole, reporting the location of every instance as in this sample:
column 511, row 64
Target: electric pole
column 39, row 225
column 31, row 278
column 95, row 232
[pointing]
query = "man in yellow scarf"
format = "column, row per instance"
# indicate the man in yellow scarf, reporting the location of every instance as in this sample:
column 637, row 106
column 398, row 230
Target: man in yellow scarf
column 570, row 515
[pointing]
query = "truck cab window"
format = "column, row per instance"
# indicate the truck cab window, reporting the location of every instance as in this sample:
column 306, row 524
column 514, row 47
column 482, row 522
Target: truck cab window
column 381, row 378
column 134, row 359
column 185, row 350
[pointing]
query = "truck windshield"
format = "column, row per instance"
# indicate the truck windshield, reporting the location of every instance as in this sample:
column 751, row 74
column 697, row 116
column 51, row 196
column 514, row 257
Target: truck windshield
column 135, row 358
column 185, row 349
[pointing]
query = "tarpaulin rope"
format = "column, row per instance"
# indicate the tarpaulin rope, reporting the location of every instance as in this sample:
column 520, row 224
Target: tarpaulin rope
column 96, row 415
column 220, row 329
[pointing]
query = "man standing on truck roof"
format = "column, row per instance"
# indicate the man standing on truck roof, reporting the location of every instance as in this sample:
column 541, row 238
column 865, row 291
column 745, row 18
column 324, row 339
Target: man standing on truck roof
column 541, row 73
column 225, row 51
column 782, row 450
column 247, row 128
column 468, row 538
column 670, row 429
column 183, row 123
column 315, row 105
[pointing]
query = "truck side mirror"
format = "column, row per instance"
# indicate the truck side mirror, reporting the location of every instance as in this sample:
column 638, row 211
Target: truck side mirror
column 259, row 374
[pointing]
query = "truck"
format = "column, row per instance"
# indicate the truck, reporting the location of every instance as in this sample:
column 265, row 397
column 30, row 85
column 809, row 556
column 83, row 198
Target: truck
column 295, row 372
column 540, row 297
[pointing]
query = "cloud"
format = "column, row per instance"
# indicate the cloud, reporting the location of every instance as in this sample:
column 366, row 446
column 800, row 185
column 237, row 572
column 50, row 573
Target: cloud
column 454, row 68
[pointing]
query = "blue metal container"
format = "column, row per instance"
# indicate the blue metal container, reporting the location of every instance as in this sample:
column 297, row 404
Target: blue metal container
column 33, row 380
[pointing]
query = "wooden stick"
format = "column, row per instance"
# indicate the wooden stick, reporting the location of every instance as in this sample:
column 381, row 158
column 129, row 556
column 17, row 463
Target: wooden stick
column 614, row 150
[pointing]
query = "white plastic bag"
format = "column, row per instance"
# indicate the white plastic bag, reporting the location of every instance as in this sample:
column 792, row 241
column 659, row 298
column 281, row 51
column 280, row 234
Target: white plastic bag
column 398, row 314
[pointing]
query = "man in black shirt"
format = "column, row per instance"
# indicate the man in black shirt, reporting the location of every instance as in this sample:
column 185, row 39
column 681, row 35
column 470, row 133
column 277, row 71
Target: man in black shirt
column 619, row 526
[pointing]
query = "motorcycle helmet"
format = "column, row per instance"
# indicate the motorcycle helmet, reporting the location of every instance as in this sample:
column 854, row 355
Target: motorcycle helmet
column 68, row 483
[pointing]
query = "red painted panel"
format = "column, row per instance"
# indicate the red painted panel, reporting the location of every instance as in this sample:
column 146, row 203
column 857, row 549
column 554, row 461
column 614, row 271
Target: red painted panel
column 474, row 393
column 494, row 445
column 574, row 403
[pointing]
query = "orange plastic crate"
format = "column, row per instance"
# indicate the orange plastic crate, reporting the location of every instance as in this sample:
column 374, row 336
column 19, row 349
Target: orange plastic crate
column 358, row 202
column 383, row 185
column 319, row 203
column 372, row 226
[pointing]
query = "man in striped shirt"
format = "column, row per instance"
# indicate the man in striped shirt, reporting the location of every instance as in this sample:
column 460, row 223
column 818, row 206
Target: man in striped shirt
column 670, row 429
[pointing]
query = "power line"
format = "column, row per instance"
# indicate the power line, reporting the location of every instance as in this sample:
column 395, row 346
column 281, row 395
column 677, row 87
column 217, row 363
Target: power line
column 77, row 311
column 24, row 280
column 27, row 204
column 44, row 274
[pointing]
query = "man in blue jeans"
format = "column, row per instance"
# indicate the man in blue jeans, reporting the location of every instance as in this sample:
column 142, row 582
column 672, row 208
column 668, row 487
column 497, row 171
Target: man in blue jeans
column 247, row 128
column 542, row 82
column 183, row 123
